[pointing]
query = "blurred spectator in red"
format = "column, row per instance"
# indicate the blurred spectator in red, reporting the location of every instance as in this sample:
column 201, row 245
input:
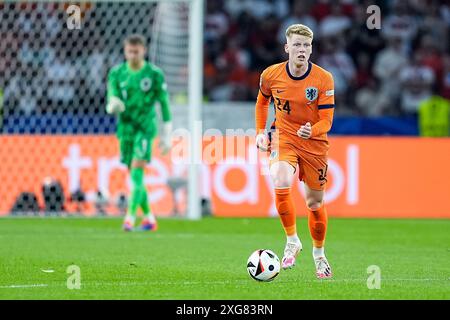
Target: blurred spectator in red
column 335, row 23
column 445, row 82
column 321, row 9
column 430, row 54
column 236, row 61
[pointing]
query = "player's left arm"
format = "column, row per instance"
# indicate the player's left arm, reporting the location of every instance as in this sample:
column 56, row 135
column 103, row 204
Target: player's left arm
column 325, row 106
column 162, row 96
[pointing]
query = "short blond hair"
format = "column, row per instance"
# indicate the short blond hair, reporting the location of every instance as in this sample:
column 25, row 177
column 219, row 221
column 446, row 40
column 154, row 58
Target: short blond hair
column 299, row 29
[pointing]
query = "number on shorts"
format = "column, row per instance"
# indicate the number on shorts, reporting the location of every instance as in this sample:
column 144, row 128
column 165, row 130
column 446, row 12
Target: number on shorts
column 323, row 174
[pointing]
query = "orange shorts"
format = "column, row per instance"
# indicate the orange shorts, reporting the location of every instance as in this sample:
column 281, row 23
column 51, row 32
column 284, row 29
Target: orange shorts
column 312, row 168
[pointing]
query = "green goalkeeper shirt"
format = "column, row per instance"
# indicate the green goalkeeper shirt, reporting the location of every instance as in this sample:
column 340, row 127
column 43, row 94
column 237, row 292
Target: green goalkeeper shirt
column 139, row 90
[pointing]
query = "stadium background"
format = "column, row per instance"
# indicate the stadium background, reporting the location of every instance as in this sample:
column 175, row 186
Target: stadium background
column 52, row 89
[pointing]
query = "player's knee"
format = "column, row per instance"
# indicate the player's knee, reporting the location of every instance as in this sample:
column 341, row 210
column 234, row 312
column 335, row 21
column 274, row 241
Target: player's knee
column 281, row 177
column 313, row 204
column 281, row 182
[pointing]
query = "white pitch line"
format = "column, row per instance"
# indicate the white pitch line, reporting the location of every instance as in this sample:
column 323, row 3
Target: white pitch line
column 194, row 283
column 242, row 282
column 24, row 286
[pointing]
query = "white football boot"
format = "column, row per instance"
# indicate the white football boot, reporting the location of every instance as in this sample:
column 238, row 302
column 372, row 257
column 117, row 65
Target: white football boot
column 323, row 269
column 291, row 251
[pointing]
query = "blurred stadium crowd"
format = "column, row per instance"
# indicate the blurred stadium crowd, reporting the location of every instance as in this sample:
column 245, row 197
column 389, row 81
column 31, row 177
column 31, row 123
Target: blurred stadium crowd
column 376, row 72
column 46, row 68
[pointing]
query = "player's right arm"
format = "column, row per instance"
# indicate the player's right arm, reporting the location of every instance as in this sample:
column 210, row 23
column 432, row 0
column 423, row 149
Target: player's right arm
column 261, row 112
column 114, row 105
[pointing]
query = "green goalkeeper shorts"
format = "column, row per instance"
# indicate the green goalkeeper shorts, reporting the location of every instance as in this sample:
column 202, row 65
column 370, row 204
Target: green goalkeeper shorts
column 136, row 147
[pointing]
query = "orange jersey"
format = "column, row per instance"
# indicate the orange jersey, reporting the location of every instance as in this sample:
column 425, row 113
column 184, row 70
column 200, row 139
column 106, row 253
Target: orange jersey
column 298, row 100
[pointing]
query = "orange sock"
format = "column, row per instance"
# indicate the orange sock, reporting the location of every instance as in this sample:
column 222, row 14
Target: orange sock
column 286, row 210
column 317, row 222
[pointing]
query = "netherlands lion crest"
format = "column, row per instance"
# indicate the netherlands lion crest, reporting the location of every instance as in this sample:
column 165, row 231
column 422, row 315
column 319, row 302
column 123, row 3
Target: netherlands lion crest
column 311, row 93
column 146, row 84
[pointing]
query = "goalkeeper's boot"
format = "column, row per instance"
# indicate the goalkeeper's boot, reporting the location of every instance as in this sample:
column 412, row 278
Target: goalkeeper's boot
column 149, row 224
column 128, row 224
column 323, row 269
column 291, row 252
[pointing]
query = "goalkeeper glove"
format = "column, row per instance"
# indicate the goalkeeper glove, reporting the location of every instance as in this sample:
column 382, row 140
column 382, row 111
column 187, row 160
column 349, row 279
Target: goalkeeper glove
column 115, row 106
column 165, row 141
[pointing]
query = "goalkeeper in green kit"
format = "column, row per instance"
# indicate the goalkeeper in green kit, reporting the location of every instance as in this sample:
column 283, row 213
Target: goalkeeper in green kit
column 134, row 87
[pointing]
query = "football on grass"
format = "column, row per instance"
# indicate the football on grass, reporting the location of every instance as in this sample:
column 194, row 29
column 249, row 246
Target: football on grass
column 263, row 265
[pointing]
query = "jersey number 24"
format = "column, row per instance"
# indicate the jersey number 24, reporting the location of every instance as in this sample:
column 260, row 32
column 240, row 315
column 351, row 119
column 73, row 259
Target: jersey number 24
column 282, row 107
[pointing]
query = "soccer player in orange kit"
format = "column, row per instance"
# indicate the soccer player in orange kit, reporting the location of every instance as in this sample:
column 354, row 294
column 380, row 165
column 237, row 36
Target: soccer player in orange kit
column 303, row 95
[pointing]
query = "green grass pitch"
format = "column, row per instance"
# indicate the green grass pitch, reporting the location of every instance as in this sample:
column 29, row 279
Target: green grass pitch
column 207, row 259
